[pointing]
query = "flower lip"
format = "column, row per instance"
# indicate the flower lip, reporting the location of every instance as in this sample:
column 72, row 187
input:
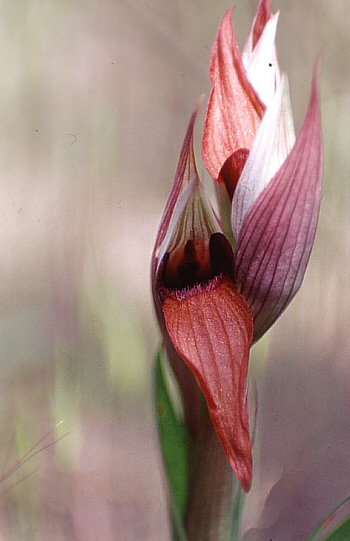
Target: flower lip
column 211, row 328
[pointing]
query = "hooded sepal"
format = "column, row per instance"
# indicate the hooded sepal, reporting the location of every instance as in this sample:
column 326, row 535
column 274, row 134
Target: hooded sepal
column 186, row 174
column 234, row 109
column 278, row 231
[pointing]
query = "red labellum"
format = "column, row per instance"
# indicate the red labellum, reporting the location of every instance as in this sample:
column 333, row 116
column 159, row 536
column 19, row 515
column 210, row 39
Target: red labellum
column 211, row 328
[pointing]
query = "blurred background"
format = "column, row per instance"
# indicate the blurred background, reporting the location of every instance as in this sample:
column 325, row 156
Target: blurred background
column 95, row 96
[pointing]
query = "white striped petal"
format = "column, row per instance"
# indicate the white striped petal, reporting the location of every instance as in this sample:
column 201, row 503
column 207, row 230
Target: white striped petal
column 272, row 144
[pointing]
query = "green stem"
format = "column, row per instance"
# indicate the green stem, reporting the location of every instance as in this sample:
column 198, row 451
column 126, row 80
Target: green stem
column 212, row 512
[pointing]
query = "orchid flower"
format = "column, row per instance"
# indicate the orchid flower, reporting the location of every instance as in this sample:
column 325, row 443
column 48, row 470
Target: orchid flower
column 200, row 310
column 213, row 299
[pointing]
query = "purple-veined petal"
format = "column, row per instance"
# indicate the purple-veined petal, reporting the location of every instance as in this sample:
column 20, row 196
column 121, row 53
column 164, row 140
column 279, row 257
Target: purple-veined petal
column 278, row 231
column 234, row 109
column 273, row 143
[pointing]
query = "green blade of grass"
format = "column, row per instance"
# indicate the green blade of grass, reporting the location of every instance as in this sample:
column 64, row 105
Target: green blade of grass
column 342, row 530
column 173, row 439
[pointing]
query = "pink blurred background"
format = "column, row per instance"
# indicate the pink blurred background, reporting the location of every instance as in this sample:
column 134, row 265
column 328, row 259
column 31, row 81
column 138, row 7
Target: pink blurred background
column 95, row 98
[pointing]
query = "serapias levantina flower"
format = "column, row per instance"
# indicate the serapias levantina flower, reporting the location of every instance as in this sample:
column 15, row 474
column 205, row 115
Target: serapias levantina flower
column 200, row 310
column 213, row 298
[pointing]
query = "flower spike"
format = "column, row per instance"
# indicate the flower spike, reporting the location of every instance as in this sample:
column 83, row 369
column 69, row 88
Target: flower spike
column 213, row 298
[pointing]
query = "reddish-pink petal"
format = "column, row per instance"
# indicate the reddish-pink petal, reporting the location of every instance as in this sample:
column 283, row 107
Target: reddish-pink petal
column 263, row 14
column 210, row 326
column 278, row 231
column 234, row 109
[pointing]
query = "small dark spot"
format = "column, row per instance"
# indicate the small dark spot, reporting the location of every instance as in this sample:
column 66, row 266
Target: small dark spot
column 112, row 63
column 37, row 131
column 270, row 64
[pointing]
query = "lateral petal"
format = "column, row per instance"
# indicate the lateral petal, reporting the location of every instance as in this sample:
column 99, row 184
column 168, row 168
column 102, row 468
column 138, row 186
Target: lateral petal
column 234, row 109
column 278, row 231
column 211, row 329
column 273, row 143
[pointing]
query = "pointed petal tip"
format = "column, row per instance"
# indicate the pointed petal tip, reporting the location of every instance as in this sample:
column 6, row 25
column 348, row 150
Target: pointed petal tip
column 264, row 5
column 234, row 109
column 227, row 17
column 318, row 65
column 315, row 90
column 198, row 105
column 263, row 14
column 243, row 470
column 186, row 172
